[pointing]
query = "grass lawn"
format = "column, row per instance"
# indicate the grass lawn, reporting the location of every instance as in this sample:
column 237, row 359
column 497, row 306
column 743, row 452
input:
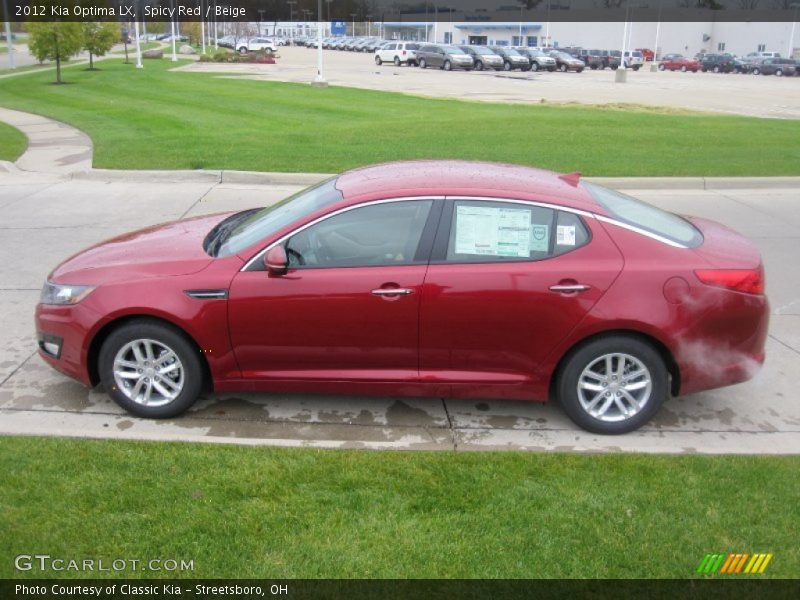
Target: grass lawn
column 156, row 119
column 12, row 142
column 132, row 48
column 268, row 512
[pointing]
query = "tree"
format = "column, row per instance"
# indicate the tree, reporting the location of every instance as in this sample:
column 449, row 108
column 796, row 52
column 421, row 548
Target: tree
column 98, row 38
column 191, row 29
column 55, row 41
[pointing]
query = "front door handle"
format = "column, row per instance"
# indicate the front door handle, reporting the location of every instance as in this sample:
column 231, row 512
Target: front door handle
column 570, row 288
column 392, row 292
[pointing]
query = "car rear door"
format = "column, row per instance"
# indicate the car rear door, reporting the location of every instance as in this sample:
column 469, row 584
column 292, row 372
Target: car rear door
column 348, row 307
column 507, row 281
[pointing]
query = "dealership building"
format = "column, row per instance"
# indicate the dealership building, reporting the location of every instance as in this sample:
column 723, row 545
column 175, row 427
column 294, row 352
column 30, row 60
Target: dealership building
column 686, row 38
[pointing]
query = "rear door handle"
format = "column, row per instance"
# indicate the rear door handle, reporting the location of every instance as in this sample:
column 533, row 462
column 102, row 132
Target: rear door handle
column 570, row 287
column 392, row 292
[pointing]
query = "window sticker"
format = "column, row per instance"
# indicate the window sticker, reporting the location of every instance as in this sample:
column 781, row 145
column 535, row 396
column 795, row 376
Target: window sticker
column 565, row 235
column 540, row 238
column 493, row 231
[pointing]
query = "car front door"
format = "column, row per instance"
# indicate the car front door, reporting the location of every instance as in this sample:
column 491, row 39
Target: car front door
column 348, row 307
column 507, row 281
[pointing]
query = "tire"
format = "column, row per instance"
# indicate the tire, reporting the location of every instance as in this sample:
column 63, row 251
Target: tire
column 756, row 71
column 779, row 73
column 507, row 66
column 551, row 69
column 447, row 66
column 614, row 67
column 716, row 69
column 479, row 65
column 584, row 364
column 663, row 68
column 534, row 66
column 243, row 50
column 378, row 61
column 704, row 70
column 185, row 381
column 563, row 68
column 423, row 63
column 396, row 61
column 683, row 69
column 579, row 70
column 636, row 68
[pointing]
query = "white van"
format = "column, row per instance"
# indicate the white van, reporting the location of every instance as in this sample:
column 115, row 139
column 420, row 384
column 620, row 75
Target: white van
column 399, row 53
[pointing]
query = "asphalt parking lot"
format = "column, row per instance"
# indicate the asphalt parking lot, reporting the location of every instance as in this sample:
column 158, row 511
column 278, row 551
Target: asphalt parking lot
column 45, row 218
column 753, row 95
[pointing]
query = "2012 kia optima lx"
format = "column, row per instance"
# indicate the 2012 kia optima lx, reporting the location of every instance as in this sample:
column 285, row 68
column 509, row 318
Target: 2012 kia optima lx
column 432, row 278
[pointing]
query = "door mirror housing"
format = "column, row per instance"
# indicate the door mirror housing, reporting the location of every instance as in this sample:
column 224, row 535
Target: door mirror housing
column 276, row 261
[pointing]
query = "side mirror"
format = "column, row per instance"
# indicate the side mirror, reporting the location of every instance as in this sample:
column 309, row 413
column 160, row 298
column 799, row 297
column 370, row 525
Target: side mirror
column 276, row 261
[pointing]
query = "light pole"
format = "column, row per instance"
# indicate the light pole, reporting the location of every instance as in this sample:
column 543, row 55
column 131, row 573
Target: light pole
column 138, row 46
column 654, row 67
column 8, row 37
column 202, row 28
column 790, row 52
column 260, row 18
column 319, row 80
column 328, row 2
column 353, row 18
column 174, row 50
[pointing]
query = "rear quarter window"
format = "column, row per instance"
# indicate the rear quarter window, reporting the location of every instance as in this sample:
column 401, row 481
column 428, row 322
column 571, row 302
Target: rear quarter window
column 636, row 213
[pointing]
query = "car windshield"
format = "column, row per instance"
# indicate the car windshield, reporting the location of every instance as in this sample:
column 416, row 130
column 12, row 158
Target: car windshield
column 631, row 211
column 512, row 52
column 453, row 50
column 483, row 51
column 273, row 218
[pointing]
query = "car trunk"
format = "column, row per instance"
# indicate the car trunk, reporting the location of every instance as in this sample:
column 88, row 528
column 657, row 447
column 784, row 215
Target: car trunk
column 724, row 248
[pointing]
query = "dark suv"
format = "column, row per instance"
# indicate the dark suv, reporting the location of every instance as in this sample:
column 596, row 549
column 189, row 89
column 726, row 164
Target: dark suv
column 775, row 66
column 718, row 63
column 593, row 59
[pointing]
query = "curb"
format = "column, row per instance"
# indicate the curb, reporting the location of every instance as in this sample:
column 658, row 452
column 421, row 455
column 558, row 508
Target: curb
column 202, row 176
column 266, row 178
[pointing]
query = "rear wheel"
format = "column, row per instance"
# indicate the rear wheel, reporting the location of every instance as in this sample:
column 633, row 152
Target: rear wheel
column 534, row 66
column 243, row 50
column 563, row 68
column 779, row 73
column 663, row 68
column 507, row 66
column 378, row 61
column 423, row 64
column 636, row 68
column 150, row 369
column 756, row 71
column 716, row 69
column 396, row 61
column 683, row 69
column 447, row 66
column 613, row 384
column 478, row 65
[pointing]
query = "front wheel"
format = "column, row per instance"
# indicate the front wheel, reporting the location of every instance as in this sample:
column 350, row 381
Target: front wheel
column 507, row 66
column 716, row 69
column 613, row 385
column 423, row 64
column 563, row 68
column 479, row 65
column 447, row 66
column 683, row 69
column 756, row 71
column 534, row 66
column 663, row 68
column 636, row 68
column 378, row 61
column 396, row 61
column 243, row 50
column 779, row 73
column 150, row 369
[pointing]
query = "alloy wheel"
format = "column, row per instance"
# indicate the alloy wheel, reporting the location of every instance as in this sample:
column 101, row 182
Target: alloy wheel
column 148, row 372
column 614, row 387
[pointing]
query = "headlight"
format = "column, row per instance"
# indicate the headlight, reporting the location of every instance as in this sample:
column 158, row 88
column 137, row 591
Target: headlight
column 53, row 293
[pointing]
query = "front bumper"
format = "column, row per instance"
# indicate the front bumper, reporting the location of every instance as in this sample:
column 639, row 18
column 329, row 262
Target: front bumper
column 66, row 327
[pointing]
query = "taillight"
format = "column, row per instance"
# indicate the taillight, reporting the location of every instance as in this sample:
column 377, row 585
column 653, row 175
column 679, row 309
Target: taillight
column 749, row 281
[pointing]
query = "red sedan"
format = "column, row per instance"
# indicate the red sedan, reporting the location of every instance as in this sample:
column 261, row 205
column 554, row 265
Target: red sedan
column 676, row 62
column 430, row 278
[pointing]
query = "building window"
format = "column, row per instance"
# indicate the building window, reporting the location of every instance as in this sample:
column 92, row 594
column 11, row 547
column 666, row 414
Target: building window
column 721, row 47
column 448, row 37
column 762, row 47
column 516, row 40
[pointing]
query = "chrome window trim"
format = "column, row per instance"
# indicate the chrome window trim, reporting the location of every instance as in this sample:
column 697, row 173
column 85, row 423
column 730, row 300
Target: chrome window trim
column 285, row 237
column 569, row 209
column 641, row 231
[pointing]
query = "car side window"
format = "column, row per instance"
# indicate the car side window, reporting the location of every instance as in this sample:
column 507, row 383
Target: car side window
column 487, row 231
column 374, row 235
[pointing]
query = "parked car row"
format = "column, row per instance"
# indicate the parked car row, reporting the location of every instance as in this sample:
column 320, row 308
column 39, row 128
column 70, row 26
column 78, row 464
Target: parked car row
column 728, row 63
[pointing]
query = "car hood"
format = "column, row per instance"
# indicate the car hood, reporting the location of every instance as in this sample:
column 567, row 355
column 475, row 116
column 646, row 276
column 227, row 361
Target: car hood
column 169, row 249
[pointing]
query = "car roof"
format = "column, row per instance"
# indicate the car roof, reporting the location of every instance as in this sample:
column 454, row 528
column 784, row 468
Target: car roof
column 465, row 178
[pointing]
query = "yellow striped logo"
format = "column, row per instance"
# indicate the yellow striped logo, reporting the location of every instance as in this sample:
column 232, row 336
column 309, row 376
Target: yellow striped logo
column 734, row 563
